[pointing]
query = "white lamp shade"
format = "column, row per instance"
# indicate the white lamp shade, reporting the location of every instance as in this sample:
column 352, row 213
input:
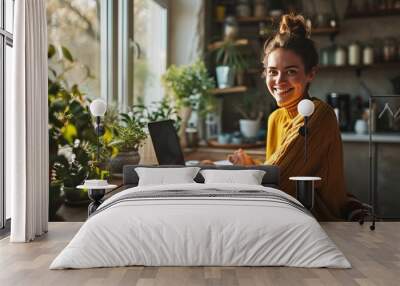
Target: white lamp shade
column 98, row 107
column 305, row 107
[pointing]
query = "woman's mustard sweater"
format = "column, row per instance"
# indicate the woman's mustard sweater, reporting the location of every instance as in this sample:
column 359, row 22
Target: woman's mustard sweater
column 285, row 148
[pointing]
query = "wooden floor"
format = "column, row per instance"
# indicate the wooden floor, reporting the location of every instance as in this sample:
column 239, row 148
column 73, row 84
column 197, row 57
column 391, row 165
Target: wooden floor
column 375, row 257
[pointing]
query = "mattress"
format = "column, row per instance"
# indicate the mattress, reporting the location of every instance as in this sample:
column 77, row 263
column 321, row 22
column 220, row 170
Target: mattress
column 201, row 225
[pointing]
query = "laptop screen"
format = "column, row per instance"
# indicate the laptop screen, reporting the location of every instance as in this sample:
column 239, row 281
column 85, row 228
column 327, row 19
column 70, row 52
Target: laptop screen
column 166, row 143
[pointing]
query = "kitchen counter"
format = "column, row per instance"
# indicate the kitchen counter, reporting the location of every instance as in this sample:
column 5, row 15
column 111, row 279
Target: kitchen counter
column 376, row 138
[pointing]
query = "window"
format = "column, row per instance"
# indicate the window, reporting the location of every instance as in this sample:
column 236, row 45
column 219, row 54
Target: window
column 75, row 25
column 127, row 61
column 6, row 64
column 139, row 31
column 149, row 45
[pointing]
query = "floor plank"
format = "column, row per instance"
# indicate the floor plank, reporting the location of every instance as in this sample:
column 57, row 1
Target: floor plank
column 375, row 257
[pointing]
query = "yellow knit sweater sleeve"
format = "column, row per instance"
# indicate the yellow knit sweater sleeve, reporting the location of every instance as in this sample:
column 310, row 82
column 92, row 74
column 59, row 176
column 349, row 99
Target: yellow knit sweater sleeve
column 274, row 132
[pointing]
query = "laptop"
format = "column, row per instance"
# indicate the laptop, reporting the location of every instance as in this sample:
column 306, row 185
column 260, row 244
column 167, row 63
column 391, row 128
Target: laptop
column 166, row 143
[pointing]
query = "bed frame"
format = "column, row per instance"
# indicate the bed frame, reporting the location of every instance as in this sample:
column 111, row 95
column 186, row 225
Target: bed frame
column 270, row 179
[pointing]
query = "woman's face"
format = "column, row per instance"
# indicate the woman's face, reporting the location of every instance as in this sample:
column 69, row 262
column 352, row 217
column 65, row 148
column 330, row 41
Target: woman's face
column 286, row 78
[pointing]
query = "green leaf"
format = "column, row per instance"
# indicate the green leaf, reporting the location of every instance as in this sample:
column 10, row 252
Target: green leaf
column 69, row 132
column 66, row 53
column 51, row 51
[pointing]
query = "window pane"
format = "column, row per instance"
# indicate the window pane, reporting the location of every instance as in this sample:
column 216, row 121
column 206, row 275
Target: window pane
column 74, row 24
column 9, row 14
column 8, row 86
column 150, row 49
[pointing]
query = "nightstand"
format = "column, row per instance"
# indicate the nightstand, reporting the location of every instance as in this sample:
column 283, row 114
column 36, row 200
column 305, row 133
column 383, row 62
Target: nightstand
column 305, row 191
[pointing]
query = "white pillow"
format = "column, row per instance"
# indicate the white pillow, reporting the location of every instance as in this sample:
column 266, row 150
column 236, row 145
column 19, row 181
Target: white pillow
column 164, row 176
column 248, row 177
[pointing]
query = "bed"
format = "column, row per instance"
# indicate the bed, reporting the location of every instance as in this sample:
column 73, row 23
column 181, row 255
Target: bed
column 197, row 224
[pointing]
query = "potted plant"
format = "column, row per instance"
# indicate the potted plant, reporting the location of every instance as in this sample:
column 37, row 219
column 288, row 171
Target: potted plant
column 190, row 86
column 128, row 134
column 72, row 138
column 252, row 110
column 156, row 111
column 230, row 63
column 72, row 171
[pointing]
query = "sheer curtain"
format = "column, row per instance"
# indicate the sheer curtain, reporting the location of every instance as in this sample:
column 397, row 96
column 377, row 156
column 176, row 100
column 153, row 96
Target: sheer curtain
column 27, row 124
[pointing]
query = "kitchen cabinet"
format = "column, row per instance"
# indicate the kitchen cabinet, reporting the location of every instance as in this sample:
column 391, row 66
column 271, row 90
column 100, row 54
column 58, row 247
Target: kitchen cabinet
column 386, row 180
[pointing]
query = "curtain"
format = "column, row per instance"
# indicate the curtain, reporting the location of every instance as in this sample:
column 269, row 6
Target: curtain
column 27, row 124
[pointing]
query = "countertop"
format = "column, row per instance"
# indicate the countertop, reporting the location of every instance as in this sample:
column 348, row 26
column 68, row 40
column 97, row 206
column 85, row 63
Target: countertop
column 376, row 138
column 347, row 137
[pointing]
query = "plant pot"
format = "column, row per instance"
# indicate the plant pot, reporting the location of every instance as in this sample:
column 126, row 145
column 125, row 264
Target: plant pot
column 76, row 197
column 225, row 76
column 249, row 128
column 118, row 162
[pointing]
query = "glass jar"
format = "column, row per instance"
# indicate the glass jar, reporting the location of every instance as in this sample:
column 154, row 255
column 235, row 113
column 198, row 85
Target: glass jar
column 354, row 54
column 243, row 9
column 389, row 50
column 259, row 9
column 340, row 56
column 368, row 55
column 220, row 12
column 230, row 28
column 324, row 57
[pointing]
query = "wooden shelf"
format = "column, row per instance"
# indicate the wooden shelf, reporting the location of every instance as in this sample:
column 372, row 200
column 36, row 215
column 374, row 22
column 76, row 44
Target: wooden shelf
column 373, row 14
column 217, row 45
column 245, row 20
column 228, row 90
column 324, row 31
column 332, row 32
column 359, row 67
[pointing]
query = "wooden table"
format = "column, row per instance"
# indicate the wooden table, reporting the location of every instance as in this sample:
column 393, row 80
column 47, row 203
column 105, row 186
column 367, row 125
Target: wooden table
column 216, row 154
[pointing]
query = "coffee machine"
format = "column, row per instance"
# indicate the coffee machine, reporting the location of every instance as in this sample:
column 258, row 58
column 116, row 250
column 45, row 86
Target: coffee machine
column 340, row 103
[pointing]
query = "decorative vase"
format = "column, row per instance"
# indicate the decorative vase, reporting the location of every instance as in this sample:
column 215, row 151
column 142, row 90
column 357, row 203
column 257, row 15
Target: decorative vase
column 185, row 112
column 123, row 158
column 249, row 128
column 225, row 76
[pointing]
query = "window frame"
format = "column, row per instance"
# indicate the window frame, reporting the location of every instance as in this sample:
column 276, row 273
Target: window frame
column 114, row 25
column 6, row 39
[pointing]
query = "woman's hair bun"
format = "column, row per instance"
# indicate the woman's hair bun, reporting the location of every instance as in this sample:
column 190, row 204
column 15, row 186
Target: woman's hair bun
column 294, row 25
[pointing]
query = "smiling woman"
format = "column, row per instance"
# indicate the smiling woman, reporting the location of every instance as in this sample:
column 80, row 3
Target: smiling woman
column 290, row 64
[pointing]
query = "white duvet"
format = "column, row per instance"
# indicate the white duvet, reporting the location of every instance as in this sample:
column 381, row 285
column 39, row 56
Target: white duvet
column 200, row 231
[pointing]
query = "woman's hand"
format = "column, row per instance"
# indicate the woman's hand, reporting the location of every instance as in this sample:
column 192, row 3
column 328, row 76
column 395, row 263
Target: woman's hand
column 239, row 157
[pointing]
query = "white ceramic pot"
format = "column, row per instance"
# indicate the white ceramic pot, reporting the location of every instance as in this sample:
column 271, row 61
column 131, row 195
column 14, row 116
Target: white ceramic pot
column 249, row 128
column 361, row 126
column 225, row 76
